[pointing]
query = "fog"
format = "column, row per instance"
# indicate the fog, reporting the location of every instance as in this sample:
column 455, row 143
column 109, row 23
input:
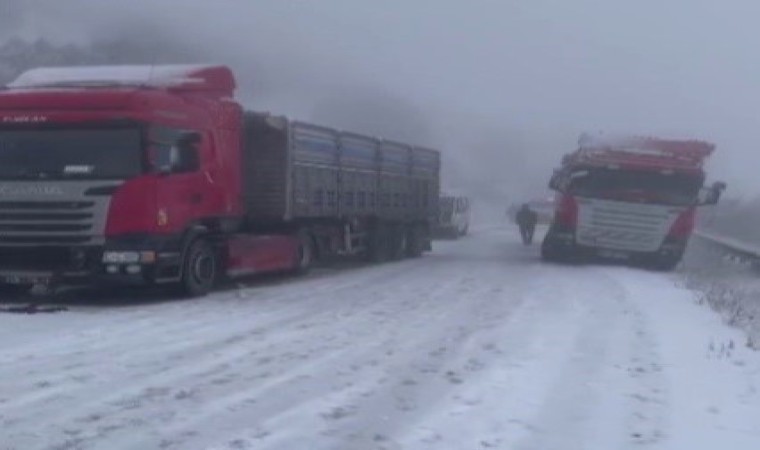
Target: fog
column 503, row 88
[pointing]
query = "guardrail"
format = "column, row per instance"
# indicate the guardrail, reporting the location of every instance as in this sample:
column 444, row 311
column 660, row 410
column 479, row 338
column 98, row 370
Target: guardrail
column 735, row 249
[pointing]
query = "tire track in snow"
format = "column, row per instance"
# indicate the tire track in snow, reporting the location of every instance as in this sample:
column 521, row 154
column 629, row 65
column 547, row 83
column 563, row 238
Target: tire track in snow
column 649, row 391
column 127, row 401
column 46, row 392
column 566, row 417
column 373, row 358
column 503, row 404
column 609, row 392
column 475, row 346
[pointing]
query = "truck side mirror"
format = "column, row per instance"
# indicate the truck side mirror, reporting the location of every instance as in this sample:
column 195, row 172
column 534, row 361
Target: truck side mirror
column 717, row 188
column 182, row 157
column 164, row 170
column 166, row 159
column 711, row 195
column 187, row 157
column 554, row 183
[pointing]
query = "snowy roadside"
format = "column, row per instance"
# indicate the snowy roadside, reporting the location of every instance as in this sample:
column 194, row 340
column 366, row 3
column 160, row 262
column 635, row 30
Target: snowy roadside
column 477, row 345
column 710, row 379
column 730, row 288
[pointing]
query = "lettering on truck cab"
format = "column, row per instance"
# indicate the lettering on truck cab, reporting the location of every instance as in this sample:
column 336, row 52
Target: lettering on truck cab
column 25, row 119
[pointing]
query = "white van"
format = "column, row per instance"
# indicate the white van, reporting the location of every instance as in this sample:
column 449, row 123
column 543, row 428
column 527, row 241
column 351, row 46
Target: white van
column 453, row 216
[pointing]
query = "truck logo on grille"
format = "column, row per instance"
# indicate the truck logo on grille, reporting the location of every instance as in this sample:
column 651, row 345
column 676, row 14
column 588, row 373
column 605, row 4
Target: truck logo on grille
column 8, row 190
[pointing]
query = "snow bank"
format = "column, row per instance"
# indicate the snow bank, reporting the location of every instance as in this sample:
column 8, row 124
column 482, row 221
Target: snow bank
column 728, row 286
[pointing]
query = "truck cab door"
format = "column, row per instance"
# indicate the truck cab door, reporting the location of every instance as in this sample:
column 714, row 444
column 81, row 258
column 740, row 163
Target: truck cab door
column 183, row 188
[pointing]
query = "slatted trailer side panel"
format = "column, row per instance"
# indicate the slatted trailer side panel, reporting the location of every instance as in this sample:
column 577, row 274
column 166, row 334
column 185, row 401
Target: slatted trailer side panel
column 295, row 170
column 290, row 169
column 426, row 184
column 359, row 162
column 394, row 183
column 315, row 172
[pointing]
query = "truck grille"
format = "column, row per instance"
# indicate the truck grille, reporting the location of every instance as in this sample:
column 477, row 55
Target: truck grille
column 623, row 226
column 58, row 258
column 47, row 222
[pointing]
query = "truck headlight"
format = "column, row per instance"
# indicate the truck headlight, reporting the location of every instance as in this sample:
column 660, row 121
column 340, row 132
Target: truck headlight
column 146, row 257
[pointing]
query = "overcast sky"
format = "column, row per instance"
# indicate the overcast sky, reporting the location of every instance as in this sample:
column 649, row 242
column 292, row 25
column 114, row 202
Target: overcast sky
column 533, row 73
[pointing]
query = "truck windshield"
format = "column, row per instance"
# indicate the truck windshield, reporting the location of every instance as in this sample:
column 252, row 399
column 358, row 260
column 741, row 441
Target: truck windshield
column 70, row 153
column 640, row 186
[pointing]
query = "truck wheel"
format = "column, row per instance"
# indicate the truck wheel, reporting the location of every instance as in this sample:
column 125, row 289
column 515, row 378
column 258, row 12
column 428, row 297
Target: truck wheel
column 199, row 269
column 550, row 253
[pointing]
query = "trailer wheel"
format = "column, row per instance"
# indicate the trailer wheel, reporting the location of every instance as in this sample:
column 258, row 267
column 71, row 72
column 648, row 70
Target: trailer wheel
column 200, row 269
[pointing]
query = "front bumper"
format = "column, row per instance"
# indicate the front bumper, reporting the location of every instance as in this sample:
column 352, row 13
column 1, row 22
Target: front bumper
column 563, row 240
column 86, row 264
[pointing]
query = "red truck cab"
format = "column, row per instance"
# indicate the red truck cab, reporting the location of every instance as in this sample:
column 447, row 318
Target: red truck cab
column 117, row 165
column 629, row 198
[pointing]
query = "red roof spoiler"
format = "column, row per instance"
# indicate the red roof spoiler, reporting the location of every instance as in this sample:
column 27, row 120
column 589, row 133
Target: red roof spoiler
column 211, row 78
column 643, row 152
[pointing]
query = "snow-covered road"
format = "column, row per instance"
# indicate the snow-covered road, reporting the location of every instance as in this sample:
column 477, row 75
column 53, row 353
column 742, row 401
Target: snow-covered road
column 476, row 346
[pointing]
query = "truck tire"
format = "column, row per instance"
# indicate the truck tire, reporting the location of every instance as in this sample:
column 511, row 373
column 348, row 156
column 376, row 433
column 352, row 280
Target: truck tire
column 200, row 269
column 548, row 253
column 552, row 253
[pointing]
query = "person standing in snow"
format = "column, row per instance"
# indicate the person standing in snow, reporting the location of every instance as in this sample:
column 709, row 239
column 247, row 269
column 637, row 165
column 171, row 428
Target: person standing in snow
column 526, row 219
